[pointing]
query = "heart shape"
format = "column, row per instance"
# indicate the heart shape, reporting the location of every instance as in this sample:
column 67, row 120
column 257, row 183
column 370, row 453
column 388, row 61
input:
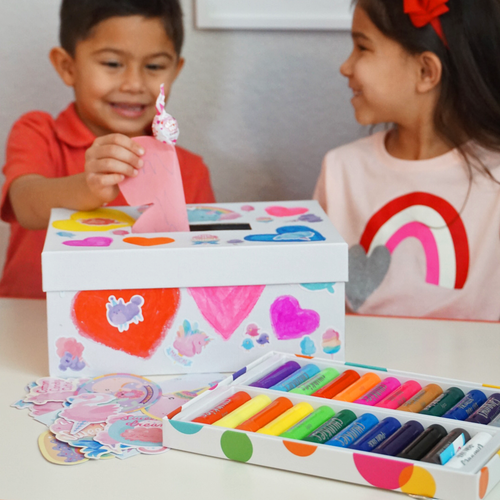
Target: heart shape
column 366, row 273
column 93, row 241
column 277, row 211
column 225, row 307
column 89, row 314
column 147, row 242
column 289, row 234
column 290, row 321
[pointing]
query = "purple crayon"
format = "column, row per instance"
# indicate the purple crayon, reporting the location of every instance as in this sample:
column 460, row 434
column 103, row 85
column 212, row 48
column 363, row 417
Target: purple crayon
column 276, row 376
column 488, row 412
column 400, row 439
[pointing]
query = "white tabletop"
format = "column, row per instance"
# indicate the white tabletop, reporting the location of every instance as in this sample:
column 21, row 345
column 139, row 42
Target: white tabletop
column 464, row 350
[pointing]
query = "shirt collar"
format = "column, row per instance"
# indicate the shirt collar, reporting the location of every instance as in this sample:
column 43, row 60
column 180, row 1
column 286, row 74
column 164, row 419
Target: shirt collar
column 70, row 129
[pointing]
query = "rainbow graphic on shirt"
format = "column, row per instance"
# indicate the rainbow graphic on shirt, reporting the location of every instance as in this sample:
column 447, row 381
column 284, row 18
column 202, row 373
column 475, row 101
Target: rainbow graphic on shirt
column 432, row 221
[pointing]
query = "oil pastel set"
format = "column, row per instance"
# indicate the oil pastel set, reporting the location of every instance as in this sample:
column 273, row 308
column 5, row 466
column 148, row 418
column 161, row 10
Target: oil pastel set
column 245, row 280
column 395, row 430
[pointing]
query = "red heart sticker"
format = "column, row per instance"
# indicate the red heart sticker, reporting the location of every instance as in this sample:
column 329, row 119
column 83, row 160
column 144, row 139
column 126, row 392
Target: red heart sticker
column 141, row 338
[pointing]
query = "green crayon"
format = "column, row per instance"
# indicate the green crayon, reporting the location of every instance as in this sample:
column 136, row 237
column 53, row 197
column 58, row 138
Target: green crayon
column 309, row 424
column 333, row 426
column 317, row 382
column 443, row 403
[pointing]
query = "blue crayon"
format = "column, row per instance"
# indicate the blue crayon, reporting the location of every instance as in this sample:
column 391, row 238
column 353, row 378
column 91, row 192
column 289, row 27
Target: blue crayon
column 382, row 431
column 354, row 431
column 467, row 405
column 400, row 439
column 297, row 378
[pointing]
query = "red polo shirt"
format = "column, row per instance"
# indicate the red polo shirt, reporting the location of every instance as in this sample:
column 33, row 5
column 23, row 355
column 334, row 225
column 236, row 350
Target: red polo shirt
column 38, row 144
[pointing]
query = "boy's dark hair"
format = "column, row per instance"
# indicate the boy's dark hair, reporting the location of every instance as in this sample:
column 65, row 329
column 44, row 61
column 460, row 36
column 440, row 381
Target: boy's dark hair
column 469, row 103
column 78, row 18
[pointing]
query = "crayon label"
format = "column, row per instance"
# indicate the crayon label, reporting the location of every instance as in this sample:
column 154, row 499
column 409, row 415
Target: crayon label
column 452, row 449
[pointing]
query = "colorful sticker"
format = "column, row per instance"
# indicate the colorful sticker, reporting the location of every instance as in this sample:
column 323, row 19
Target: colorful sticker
column 85, row 409
column 121, row 314
column 148, row 242
column 131, row 430
column 102, row 219
column 277, row 211
column 290, row 321
column 289, row 234
column 247, row 208
column 210, row 214
column 318, row 287
column 331, row 342
column 205, row 239
column 225, row 307
column 142, row 339
column 62, row 429
column 52, row 389
column 93, row 241
column 190, row 341
column 170, row 402
column 264, row 219
column 70, row 352
column 247, row 344
column 131, row 392
column 57, row 452
column 311, row 218
column 235, row 242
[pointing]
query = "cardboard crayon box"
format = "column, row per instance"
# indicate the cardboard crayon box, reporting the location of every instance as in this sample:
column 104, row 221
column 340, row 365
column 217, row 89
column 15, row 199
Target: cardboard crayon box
column 247, row 279
column 473, row 481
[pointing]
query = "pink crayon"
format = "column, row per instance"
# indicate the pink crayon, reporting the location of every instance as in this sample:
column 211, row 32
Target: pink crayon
column 400, row 396
column 379, row 392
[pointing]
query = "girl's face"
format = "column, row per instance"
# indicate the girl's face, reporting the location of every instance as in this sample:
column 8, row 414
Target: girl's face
column 382, row 75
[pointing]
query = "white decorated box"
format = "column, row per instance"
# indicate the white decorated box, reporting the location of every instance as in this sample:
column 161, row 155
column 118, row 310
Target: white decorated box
column 472, row 482
column 247, row 279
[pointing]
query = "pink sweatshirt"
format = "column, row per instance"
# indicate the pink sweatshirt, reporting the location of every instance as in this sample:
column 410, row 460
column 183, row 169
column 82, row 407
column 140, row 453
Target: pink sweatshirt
column 417, row 245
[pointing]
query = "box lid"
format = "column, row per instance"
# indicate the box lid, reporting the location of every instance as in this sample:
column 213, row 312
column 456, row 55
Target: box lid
column 230, row 244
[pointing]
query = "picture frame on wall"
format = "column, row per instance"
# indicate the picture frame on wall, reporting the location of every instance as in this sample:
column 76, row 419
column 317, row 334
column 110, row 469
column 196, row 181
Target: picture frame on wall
column 273, row 14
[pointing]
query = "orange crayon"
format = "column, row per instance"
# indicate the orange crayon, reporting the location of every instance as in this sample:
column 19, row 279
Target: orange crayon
column 268, row 414
column 359, row 388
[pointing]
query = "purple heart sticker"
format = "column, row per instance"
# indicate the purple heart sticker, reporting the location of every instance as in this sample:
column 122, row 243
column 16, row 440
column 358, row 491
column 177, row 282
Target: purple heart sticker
column 290, row 321
column 93, row 241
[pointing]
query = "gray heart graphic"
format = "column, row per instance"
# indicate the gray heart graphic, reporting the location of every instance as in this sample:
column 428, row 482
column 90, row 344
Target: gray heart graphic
column 365, row 273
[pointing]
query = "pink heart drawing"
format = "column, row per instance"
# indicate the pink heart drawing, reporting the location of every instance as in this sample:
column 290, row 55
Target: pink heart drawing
column 290, row 321
column 225, row 307
column 94, row 241
column 276, row 211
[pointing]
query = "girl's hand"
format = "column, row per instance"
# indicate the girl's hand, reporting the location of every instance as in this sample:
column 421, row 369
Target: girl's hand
column 108, row 161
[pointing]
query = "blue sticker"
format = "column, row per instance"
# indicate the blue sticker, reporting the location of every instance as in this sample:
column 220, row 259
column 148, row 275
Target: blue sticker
column 65, row 235
column 289, row 234
column 247, row 344
column 307, row 347
column 316, row 287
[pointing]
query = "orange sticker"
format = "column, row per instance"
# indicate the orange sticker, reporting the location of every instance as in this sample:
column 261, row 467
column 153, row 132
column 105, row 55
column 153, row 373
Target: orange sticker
column 147, row 242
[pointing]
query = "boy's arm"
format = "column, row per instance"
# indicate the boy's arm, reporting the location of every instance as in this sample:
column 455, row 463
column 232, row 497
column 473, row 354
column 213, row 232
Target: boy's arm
column 107, row 162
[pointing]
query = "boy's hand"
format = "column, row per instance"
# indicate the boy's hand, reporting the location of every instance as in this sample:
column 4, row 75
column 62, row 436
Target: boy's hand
column 108, row 161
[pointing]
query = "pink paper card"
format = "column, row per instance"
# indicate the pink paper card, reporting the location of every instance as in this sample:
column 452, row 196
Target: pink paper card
column 158, row 184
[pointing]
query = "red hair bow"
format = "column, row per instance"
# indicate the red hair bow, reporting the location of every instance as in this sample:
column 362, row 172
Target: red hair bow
column 423, row 12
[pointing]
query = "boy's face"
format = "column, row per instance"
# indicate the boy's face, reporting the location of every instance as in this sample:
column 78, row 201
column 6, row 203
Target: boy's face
column 117, row 71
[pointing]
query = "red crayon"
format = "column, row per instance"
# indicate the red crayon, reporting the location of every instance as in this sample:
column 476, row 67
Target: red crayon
column 223, row 409
column 337, row 385
column 268, row 414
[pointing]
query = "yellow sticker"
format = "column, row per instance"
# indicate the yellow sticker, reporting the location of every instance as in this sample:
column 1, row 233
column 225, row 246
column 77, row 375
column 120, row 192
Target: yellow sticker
column 57, row 452
column 102, row 219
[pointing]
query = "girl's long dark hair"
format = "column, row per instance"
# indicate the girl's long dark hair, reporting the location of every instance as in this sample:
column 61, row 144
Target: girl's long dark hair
column 469, row 104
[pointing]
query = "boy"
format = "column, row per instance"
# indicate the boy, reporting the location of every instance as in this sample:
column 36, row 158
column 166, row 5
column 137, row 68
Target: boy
column 115, row 54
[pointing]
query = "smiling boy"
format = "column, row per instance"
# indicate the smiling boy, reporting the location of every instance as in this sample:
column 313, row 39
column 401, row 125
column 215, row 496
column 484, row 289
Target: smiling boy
column 114, row 54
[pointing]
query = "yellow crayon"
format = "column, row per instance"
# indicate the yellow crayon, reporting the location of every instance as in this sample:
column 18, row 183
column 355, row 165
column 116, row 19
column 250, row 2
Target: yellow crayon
column 287, row 419
column 244, row 412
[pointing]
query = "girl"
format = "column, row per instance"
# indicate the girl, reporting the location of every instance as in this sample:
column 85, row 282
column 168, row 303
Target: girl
column 419, row 203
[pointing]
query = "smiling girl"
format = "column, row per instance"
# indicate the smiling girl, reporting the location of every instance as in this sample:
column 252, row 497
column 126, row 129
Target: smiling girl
column 419, row 203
